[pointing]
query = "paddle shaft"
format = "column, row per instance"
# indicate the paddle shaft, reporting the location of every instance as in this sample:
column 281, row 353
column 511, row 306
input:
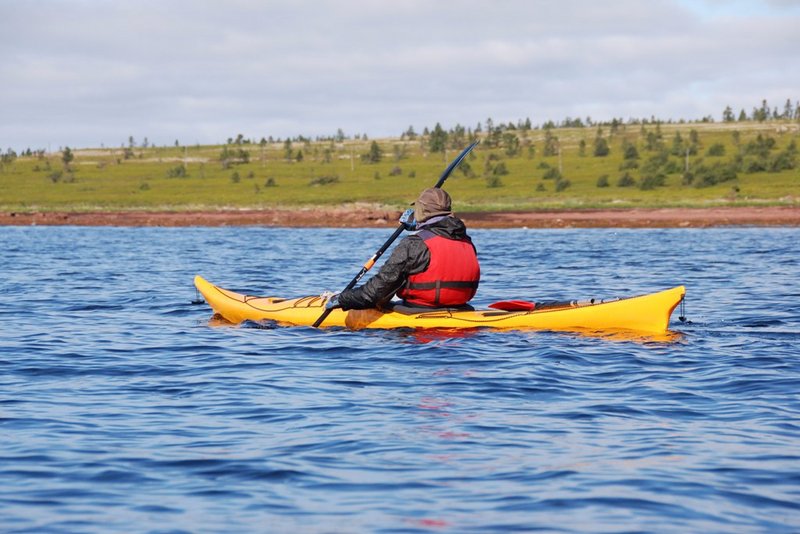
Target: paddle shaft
column 367, row 266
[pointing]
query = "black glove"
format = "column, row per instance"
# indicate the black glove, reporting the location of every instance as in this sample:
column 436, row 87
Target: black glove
column 407, row 219
column 333, row 303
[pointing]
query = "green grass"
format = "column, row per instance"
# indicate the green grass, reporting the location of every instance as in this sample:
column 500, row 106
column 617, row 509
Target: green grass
column 102, row 179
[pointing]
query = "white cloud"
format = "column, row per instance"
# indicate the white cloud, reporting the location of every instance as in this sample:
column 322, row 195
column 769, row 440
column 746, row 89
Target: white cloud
column 87, row 72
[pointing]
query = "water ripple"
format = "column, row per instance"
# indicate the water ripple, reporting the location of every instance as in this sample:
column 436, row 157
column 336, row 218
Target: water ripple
column 121, row 405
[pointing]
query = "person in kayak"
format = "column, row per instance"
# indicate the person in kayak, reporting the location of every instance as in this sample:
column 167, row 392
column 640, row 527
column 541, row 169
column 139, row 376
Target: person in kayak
column 435, row 267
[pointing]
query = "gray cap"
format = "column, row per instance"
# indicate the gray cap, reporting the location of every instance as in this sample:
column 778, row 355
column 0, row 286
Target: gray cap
column 431, row 203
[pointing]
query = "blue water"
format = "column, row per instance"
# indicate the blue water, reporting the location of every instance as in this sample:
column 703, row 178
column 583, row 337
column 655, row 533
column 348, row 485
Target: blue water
column 123, row 410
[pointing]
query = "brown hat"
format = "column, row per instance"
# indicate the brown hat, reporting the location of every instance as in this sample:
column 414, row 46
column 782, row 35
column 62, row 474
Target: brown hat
column 431, row 203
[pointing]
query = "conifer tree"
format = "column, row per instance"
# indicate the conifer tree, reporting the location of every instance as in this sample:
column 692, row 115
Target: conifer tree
column 438, row 139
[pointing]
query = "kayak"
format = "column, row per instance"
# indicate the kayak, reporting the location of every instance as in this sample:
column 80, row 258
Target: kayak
column 648, row 313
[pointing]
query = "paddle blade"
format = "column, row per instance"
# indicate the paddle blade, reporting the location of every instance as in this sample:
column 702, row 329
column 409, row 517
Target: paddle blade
column 455, row 163
column 513, row 305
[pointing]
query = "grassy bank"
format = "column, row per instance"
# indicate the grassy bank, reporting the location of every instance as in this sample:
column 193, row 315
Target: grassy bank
column 693, row 165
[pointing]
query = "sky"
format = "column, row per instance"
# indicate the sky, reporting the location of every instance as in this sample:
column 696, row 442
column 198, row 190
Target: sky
column 91, row 73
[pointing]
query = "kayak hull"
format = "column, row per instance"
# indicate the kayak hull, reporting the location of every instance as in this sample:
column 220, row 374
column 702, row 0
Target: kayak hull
column 645, row 313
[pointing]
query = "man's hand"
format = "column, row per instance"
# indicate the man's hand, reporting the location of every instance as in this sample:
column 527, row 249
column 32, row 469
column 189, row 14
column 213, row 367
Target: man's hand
column 407, row 220
column 333, row 302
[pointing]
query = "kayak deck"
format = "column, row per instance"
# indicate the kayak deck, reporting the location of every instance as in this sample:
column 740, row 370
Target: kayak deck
column 645, row 313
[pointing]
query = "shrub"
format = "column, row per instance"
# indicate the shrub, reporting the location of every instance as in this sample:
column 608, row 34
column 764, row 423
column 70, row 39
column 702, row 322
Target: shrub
column 660, row 163
column 601, row 148
column 324, row 180
column 785, row 160
column 396, row 171
column 9, row 156
column 511, row 144
column 671, row 167
column 552, row 174
column 177, row 172
column 235, row 178
column 603, row 181
column 752, row 165
column 551, row 145
column 651, row 181
column 374, row 155
column 706, row 176
column 678, row 146
column 490, row 163
column 562, row 184
column 629, row 151
column 412, row 174
column 399, row 152
column 270, row 182
column 654, row 141
column 760, row 146
column 541, row 187
column 626, row 180
column 55, row 176
column 231, row 156
column 654, row 163
column 500, row 169
column 494, row 181
column 717, row 149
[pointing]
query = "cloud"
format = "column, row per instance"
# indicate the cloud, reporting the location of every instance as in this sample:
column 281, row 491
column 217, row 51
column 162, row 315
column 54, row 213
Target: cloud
column 82, row 73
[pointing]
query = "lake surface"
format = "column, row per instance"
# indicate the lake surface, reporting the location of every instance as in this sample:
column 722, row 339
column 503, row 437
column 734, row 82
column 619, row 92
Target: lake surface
column 123, row 410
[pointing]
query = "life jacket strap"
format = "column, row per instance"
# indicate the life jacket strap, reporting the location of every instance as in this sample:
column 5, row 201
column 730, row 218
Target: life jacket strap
column 438, row 285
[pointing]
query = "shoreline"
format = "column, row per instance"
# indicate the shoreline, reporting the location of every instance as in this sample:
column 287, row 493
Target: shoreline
column 374, row 217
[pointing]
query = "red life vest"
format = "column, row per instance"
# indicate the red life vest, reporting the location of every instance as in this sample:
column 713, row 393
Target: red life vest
column 452, row 276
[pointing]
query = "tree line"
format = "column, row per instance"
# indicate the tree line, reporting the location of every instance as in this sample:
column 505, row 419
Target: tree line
column 439, row 139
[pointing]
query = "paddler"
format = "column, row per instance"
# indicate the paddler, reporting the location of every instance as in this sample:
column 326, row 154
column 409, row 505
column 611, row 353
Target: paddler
column 435, row 267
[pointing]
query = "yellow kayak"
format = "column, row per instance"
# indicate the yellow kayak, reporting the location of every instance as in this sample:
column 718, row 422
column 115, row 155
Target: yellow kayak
column 645, row 313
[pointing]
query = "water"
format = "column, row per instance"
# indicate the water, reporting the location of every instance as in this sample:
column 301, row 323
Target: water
column 122, row 410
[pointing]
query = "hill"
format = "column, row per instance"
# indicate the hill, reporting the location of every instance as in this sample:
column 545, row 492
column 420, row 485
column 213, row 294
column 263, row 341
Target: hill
column 514, row 168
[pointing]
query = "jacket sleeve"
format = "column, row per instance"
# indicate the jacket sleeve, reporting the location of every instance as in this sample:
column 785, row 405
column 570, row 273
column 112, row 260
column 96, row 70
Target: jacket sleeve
column 411, row 256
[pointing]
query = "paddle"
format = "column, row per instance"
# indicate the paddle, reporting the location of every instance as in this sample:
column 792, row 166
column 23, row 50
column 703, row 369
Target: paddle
column 367, row 266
